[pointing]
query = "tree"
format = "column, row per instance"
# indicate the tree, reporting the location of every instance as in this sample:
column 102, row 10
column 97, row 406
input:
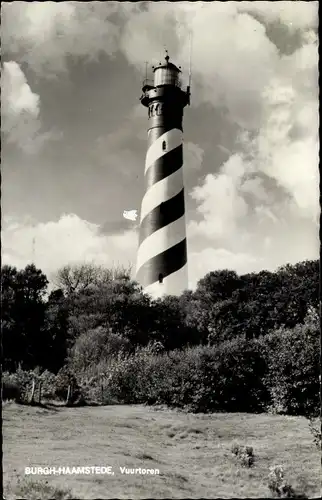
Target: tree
column 75, row 278
column 280, row 299
column 169, row 325
column 118, row 304
column 56, row 326
column 226, row 305
column 211, row 309
column 23, row 311
column 217, row 286
column 95, row 346
column 293, row 360
column 197, row 316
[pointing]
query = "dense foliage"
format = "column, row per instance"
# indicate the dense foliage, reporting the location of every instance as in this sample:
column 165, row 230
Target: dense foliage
column 237, row 343
column 293, row 362
column 227, row 378
column 279, row 373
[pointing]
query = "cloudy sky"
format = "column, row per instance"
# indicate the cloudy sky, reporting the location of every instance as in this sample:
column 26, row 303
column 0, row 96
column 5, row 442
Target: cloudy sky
column 74, row 132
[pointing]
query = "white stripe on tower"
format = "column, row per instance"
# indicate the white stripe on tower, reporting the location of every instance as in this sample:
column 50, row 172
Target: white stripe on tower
column 161, row 240
column 162, row 254
column 162, row 190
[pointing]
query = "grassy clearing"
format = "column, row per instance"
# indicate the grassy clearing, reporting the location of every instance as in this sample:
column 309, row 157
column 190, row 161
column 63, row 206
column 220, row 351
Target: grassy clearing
column 192, row 452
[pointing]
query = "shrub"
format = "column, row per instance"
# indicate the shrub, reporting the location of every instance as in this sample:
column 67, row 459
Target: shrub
column 244, row 454
column 22, row 381
column 10, row 389
column 232, row 376
column 235, row 448
column 202, row 378
column 175, row 378
column 278, row 371
column 64, row 379
column 95, row 345
column 292, row 358
column 48, row 385
column 276, row 482
column 151, row 378
column 279, row 486
column 18, row 385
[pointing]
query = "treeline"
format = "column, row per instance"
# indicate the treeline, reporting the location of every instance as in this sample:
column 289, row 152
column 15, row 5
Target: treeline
column 232, row 328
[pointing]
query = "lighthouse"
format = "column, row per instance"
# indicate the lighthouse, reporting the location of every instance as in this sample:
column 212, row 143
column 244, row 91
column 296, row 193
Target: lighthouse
column 162, row 253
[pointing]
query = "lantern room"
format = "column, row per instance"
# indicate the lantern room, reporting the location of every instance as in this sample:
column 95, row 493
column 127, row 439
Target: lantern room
column 166, row 74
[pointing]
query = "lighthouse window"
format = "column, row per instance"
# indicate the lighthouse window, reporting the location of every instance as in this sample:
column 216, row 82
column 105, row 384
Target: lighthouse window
column 164, row 146
column 160, row 278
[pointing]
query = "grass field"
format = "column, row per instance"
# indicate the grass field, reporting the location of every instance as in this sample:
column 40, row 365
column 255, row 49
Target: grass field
column 192, row 452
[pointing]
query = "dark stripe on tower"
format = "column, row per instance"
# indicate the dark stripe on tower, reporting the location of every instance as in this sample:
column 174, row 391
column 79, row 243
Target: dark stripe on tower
column 164, row 263
column 162, row 215
column 164, row 166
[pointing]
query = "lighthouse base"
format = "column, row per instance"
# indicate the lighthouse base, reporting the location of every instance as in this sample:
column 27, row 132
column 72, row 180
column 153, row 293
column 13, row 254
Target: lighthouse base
column 174, row 284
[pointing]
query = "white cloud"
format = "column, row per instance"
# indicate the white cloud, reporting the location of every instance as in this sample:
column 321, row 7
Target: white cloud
column 20, row 109
column 232, row 56
column 44, row 34
column 295, row 15
column 269, row 192
column 68, row 240
column 220, row 203
column 287, row 146
column 210, row 259
column 146, row 33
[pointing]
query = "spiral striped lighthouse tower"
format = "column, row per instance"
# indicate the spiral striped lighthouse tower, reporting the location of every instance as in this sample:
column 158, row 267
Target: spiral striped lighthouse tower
column 162, row 254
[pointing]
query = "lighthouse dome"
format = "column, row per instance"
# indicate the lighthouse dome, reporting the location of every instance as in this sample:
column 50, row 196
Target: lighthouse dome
column 166, row 74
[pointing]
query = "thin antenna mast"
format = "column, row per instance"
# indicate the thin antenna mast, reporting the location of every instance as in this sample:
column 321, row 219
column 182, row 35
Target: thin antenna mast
column 33, row 249
column 190, row 52
column 146, row 70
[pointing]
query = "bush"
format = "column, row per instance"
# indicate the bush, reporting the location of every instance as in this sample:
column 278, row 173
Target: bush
column 232, row 376
column 175, row 377
column 10, row 389
column 151, row 378
column 64, row 379
column 244, row 454
column 48, row 385
column 293, row 363
column 227, row 378
column 18, row 385
column 20, row 381
column 94, row 346
column 280, row 487
column 278, row 372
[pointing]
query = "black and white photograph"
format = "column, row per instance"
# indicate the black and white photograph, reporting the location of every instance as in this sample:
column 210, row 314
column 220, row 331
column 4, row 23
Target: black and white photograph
column 160, row 273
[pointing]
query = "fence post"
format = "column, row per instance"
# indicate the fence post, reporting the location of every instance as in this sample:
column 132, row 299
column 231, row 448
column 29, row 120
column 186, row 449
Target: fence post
column 32, row 391
column 68, row 395
column 39, row 395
